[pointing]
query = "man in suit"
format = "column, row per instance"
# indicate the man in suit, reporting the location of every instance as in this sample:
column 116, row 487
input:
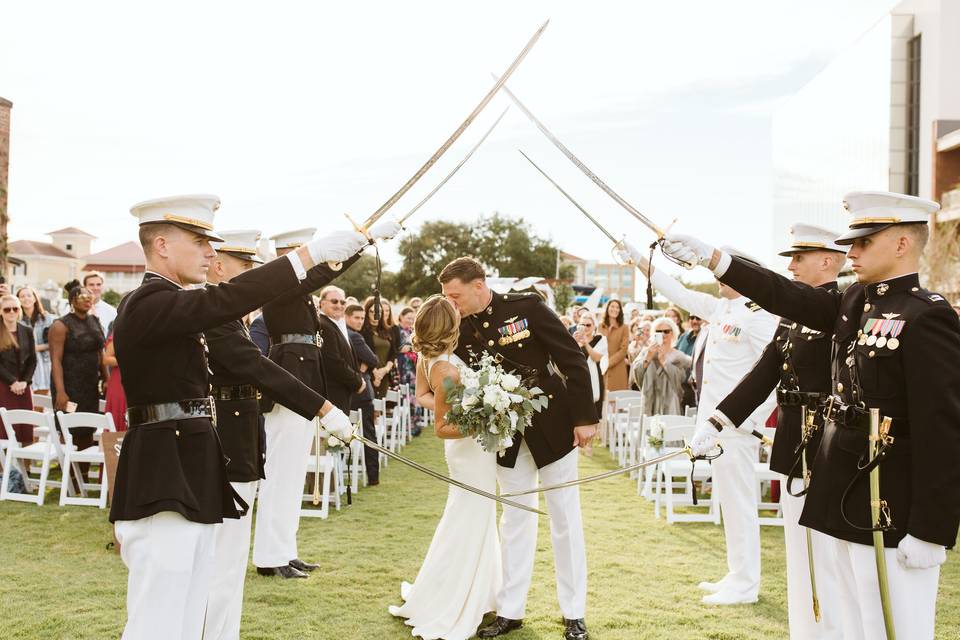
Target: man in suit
column 339, row 363
column 533, row 343
column 367, row 361
column 171, row 485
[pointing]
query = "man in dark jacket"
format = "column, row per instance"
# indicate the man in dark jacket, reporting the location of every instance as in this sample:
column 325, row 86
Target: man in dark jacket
column 367, row 361
column 339, row 364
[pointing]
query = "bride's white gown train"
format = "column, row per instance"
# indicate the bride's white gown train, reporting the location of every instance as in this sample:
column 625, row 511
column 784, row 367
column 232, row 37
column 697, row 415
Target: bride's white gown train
column 460, row 575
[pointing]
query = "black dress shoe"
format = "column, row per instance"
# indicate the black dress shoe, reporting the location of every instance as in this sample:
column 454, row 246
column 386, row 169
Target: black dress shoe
column 300, row 565
column 499, row 627
column 286, row 572
column 575, row 629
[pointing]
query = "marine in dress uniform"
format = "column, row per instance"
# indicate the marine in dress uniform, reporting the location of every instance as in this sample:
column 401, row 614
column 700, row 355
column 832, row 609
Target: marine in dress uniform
column 239, row 372
column 736, row 336
column 896, row 348
column 172, row 485
column 533, row 343
column 797, row 364
column 294, row 327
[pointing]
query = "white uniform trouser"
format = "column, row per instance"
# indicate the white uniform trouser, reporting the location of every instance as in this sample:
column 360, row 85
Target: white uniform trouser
column 170, row 564
column 230, row 568
column 518, row 535
column 736, row 489
column 913, row 594
column 281, row 492
column 799, row 597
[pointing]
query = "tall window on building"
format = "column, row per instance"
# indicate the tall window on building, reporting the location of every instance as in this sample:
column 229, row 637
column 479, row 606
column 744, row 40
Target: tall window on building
column 913, row 116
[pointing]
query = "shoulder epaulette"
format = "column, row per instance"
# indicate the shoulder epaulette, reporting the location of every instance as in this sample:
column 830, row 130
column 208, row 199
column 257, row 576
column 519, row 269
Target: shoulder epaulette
column 515, row 296
column 928, row 296
column 753, row 306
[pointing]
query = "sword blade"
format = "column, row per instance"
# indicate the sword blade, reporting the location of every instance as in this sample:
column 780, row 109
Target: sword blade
column 603, row 476
column 584, row 168
column 439, row 476
column 376, row 215
column 456, row 168
column 878, row 546
column 570, row 198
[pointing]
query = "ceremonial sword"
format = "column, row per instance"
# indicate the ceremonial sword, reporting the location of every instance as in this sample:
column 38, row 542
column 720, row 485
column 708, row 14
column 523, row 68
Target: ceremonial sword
column 434, row 474
column 879, row 437
column 456, row 168
column 661, row 233
column 392, row 200
column 616, row 472
column 808, row 425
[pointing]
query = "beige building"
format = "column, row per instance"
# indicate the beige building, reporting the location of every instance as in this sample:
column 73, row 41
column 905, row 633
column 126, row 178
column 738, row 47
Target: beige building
column 616, row 280
column 55, row 262
column 122, row 266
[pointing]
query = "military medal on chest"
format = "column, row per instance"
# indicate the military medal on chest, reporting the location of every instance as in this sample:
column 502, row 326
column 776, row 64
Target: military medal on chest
column 882, row 332
column 513, row 332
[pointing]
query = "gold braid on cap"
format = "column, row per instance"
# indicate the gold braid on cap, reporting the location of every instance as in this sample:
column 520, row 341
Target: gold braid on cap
column 808, row 245
column 172, row 217
column 871, row 220
column 236, row 249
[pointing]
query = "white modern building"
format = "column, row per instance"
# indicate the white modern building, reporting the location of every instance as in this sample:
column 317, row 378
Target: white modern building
column 884, row 114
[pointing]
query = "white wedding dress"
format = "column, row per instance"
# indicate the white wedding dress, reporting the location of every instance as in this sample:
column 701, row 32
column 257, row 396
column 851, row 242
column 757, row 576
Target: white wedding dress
column 460, row 576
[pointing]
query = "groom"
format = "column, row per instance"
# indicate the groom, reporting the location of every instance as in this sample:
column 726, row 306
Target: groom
column 534, row 344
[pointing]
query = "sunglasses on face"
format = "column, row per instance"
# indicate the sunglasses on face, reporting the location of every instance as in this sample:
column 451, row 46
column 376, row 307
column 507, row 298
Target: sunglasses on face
column 10, row 309
column 664, row 330
column 336, row 301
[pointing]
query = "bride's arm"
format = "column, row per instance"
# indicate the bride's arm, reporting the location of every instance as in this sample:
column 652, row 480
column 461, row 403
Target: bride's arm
column 440, row 372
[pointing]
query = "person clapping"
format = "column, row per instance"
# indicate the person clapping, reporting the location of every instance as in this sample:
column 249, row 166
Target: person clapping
column 661, row 369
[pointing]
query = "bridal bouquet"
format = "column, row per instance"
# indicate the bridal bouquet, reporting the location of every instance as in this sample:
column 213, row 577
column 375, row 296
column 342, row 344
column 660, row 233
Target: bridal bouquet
column 491, row 405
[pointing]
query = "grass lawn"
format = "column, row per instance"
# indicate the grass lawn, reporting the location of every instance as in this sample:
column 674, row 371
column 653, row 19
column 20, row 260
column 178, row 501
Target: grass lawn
column 57, row 579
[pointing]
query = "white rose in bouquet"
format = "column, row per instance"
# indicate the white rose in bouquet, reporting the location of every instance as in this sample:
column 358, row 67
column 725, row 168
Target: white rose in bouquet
column 509, row 381
column 469, row 401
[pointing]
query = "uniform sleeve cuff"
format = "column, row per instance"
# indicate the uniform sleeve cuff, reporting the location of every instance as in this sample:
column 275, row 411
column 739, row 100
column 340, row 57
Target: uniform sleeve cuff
column 297, row 265
column 722, row 264
column 720, row 417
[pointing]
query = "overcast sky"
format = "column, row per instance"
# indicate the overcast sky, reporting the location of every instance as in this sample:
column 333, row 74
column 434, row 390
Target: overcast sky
column 296, row 112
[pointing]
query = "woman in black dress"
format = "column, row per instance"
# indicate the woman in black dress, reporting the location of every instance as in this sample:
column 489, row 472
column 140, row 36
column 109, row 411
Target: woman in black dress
column 381, row 337
column 18, row 359
column 76, row 359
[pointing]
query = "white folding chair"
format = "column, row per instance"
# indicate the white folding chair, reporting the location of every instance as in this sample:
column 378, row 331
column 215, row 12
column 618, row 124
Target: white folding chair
column 358, row 464
column 380, row 426
column 45, row 451
column 624, row 430
column 766, row 476
column 328, row 487
column 42, row 402
column 679, row 429
column 102, row 406
column 72, row 457
column 608, row 410
column 406, row 432
column 393, row 438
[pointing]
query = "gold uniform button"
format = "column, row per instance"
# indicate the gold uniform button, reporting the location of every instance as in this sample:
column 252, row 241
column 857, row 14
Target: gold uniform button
column 486, row 325
column 177, row 432
column 489, row 343
column 236, row 413
column 785, row 366
column 839, row 387
column 519, row 345
column 866, row 307
column 871, row 354
column 550, row 396
column 301, row 358
column 793, row 326
column 915, row 289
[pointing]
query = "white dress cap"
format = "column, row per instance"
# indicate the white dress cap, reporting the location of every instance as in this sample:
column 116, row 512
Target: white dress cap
column 241, row 244
column 293, row 239
column 873, row 211
column 743, row 255
column 191, row 212
column 807, row 237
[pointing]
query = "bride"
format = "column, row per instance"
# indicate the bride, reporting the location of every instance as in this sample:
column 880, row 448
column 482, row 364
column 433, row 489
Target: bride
column 460, row 576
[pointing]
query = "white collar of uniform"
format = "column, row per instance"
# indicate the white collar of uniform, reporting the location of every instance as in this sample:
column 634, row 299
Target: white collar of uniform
column 177, row 285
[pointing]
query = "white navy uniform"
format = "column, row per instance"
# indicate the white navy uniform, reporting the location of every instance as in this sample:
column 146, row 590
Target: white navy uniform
column 736, row 336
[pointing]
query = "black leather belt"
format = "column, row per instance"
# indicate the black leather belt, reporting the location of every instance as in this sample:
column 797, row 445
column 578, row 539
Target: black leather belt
column 300, row 338
column 857, row 418
column 787, row 398
column 168, row 411
column 235, row 392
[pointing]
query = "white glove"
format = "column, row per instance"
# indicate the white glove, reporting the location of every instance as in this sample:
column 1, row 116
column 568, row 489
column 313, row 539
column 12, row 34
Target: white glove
column 629, row 254
column 688, row 249
column 385, row 230
column 913, row 553
column 704, row 439
column 336, row 423
column 336, row 247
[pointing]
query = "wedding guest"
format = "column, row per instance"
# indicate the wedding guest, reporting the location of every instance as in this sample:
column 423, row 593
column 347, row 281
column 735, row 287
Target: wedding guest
column 367, row 361
column 76, row 357
column 689, row 337
column 380, row 337
column 674, row 314
column 37, row 318
column 339, row 364
column 414, row 304
column 614, row 330
column 106, row 313
column 639, row 337
column 116, row 399
column 407, row 363
column 662, row 370
column 594, row 347
column 18, row 359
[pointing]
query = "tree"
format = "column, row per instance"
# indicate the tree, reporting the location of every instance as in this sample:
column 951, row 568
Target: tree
column 563, row 296
column 505, row 247
column 359, row 279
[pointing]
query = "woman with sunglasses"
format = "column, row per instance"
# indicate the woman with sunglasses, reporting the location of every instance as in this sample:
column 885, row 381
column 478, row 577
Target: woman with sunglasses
column 18, row 359
column 661, row 370
column 76, row 358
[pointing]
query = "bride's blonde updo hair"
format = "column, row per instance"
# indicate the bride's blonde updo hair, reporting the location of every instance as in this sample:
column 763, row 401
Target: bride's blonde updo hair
column 436, row 328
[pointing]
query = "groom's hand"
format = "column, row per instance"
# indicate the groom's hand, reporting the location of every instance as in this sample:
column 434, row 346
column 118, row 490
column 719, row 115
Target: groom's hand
column 583, row 435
